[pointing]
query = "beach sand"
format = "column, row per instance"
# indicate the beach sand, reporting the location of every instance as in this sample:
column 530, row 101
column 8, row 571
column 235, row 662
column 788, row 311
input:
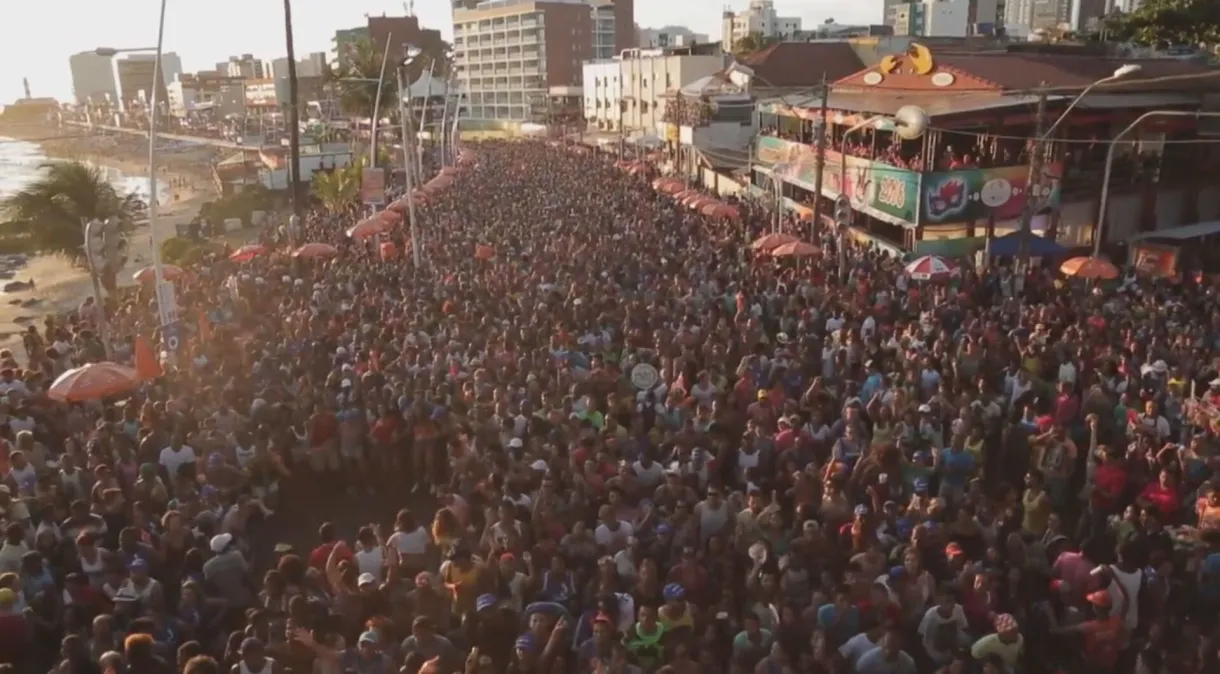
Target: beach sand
column 61, row 287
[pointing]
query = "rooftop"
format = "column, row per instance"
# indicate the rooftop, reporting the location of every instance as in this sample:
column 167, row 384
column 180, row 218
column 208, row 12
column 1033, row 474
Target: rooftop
column 803, row 64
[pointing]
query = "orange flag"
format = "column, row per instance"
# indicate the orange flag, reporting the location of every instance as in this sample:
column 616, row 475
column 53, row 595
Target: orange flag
column 147, row 365
column 205, row 326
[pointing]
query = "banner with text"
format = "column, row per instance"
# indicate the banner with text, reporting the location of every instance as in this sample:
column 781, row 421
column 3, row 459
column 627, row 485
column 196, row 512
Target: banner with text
column 885, row 192
column 974, row 194
column 372, row 186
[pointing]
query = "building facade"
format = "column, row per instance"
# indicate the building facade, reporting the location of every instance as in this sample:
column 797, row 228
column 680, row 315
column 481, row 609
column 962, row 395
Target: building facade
column 629, row 93
column 946, row 18
column 669, row 36
column 136, row 76
column 171, row 67
column 313, row 65
column 509, row 53
column 244, row 67
column 399, row 31
column 759, row 17
column 93, row 78
column 345, row 39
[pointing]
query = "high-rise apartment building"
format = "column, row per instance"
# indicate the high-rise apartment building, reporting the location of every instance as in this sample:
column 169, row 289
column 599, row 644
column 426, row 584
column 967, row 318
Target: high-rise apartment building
column 759, row 18
column 171, row 67
column 313, row 65
column 245, row 67
column 945, row 18
column 509, row 53
column 93, row 78
column 668, row 36
column 136, row 76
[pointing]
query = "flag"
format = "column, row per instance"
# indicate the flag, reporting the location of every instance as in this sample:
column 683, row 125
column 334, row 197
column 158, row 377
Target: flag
column 147, row 365
column 205, row 326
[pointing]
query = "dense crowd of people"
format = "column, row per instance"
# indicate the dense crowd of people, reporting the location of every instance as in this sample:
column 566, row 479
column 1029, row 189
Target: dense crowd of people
column 624, row 443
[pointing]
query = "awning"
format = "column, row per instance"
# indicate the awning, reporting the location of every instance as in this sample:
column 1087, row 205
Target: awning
column 1180, row 233
column 1009, row 245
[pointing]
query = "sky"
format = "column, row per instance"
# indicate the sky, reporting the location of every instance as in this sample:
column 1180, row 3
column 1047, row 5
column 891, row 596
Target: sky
column 41, row 35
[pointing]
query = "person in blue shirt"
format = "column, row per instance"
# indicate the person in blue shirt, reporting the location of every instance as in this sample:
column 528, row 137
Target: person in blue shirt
column 840, row 619
column 956, row 466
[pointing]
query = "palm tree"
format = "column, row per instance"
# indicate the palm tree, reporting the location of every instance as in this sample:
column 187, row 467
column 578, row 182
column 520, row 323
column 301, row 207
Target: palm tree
column 294, row 119
column 48, row 215
column 358, row 75
column 337, row 189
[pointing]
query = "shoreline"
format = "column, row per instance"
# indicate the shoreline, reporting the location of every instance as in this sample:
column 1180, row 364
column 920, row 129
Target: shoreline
column 61, row 287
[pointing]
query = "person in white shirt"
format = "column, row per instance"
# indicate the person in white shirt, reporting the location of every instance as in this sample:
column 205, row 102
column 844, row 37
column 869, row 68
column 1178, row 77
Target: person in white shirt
column 868, row 639
column 610, row 530
column 943, row 628
column 175, row 456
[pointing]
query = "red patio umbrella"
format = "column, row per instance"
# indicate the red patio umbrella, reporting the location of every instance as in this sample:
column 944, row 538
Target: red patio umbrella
column 770, row 242
column 796, row 249
column 93, row 381
column 247, row 252
column 368, row 227
column 482, row 252
column 312, row 251
column 709, row 207
column 1094, row 268
column 148, row 274
column 932, row 268
column 727, row 212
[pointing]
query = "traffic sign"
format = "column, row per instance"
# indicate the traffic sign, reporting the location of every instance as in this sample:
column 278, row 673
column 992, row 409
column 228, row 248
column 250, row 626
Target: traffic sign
column 171, row 337
column 167, row 308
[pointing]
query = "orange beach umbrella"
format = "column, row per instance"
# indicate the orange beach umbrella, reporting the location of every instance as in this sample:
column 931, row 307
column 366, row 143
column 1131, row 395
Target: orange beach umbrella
column 93, row 381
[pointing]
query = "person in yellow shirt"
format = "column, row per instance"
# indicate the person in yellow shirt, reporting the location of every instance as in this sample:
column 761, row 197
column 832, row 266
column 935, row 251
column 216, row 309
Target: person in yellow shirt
column 1006, row 642
column 1036, row 503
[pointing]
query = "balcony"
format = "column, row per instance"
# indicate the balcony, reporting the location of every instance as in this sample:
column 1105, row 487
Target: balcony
column 903, row 196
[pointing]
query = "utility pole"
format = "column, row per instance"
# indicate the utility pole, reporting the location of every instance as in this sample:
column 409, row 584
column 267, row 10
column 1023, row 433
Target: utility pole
column 1033, row 180
column 294, row 126
column 823, row 137
column 622, row 140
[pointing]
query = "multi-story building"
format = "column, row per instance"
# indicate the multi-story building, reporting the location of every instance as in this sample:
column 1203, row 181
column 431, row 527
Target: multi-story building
column 313, row 65
column 629, row 92
column 137, row 75
column 183, row 96
column 944, row 18
column 759, row 18
column 345, row 39
column 668, row 36
column 1088, row 15
column 171, row 67
column 1050, row 14
column 93, row 77
column 511, row 53
column 399, row 31
column 244, row 66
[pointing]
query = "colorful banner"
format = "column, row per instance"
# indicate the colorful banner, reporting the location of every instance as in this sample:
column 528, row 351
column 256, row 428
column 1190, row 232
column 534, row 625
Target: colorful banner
column 975, row 194
column 372, row 186
column 1156, row 260
column 885, row 192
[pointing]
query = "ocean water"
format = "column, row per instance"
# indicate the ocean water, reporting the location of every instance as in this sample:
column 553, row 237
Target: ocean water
column 20, row 163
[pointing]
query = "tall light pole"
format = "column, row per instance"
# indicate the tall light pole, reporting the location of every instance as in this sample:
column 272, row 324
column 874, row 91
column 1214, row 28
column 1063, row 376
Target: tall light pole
column 404, row 91
column 1099, row 232
column 167, row 312
column 1032, row 182
column 294, row 126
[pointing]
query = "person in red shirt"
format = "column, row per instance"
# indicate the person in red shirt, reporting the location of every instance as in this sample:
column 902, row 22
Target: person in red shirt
column 324, row 440
column 319, row 555
column 1104, row 636
column 1162, row 495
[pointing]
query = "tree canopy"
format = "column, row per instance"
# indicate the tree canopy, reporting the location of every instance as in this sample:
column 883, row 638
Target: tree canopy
column 753, row 42
column 356, row 76
column 337, row 189
column 48, row 214
column 1164, row 23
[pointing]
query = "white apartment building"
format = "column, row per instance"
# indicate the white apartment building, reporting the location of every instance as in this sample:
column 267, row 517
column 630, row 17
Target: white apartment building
column 947, row 18
column 760, row 17
column 669, row 36
column 93, row 78
column 629, row 92
column 182, row 98
column 510, row 53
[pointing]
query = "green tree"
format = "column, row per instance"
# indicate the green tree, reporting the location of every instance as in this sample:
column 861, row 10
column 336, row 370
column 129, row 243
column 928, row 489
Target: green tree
column 338, row 188
column 752, row 42
column 357, row 75
column 48, row 214
column 1163, row 23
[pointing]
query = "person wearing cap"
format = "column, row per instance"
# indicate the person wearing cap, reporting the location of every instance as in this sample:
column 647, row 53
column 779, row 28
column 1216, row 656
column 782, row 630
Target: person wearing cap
column 1006, row 642
column 425, row 642
column 1105, row 636
column 367, row 657
column 228, row 571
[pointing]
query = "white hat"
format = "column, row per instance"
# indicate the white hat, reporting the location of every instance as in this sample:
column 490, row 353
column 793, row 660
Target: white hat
column 540, row 465
column 1160, row 367
column 516, row 443
column 219, row 542
column 365, row 579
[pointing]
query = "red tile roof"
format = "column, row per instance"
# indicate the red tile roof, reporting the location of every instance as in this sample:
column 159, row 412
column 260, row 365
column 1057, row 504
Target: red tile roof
column 802, row 64
column 1028, row 70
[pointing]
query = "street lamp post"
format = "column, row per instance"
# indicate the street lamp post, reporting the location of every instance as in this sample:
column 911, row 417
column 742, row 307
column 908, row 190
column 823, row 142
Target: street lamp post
column 777, row 182
column 403, row 92
column 167, row 312
column 1035, row 165
column 1099, row 232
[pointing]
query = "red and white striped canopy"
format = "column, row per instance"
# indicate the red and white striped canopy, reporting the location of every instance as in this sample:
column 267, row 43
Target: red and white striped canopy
column 932, row 268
